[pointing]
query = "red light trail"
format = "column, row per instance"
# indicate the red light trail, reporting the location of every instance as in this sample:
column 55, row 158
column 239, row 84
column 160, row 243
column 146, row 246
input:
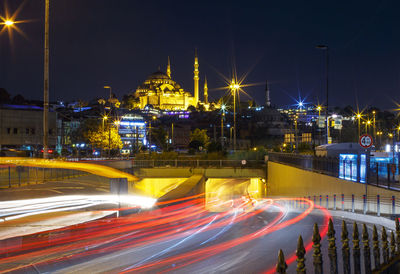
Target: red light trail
column 175, row 221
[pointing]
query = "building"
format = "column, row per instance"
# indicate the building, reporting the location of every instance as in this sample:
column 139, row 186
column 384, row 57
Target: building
column 21, row 129
column 132, row 129
column 161, row 92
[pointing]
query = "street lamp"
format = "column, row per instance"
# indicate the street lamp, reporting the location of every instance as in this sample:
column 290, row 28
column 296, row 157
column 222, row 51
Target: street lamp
column 325, row 47
column 223, row 107
column 319, row 108
column 398, row 131
column 46, row 82
column 9, row 23
column 153, row 118
column 367, row 124
column 108, row 87
column 374, row 123
column 234, row 88
column 379, row 133
column 358, row 116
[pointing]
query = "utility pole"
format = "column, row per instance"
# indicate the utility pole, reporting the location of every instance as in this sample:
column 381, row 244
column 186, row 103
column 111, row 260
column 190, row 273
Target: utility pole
column 325, row 47
column 172, row 135
column 234, row 120
column 109, row 141
column 222, row 129
column 46, row 83
column 150, row 137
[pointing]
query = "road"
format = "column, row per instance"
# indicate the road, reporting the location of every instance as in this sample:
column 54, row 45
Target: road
column 225, row 233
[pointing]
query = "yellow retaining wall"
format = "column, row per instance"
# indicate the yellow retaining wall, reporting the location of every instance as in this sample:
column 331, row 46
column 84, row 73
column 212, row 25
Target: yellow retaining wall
column 225, row 172
column 288, row 181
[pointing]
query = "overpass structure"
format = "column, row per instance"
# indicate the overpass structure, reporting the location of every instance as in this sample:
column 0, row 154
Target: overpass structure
column 237, row 214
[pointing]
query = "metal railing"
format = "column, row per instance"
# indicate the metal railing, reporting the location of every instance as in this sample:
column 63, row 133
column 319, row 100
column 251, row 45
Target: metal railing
column 383, row 175
column 198, row 163
column 372, row 204
column 11, row 176
column 385, row 244
column 324, row 165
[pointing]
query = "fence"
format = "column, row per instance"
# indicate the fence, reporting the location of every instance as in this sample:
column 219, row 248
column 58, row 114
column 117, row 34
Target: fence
column 379, row 174
column 324, row 165
column 387, row 263
column 198, row 163
column 373, row 205
column 21, row 175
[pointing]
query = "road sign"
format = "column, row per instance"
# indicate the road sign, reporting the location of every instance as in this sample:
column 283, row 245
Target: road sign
column 365, row 141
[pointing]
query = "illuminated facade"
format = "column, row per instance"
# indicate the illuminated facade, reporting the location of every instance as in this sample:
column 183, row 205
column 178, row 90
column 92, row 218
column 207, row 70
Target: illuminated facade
column 160, row 91
column 132, row 129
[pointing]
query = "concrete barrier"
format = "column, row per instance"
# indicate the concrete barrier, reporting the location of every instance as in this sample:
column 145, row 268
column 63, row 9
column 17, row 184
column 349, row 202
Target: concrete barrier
column 225, row 172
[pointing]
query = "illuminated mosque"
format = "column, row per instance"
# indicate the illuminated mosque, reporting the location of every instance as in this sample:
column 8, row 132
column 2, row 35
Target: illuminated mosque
column 160, row 91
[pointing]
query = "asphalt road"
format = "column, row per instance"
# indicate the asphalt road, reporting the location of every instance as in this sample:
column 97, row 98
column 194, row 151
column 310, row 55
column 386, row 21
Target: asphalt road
column 183, row 237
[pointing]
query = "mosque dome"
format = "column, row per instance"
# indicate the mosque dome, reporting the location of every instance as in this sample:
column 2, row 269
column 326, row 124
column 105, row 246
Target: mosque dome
column 158, row 75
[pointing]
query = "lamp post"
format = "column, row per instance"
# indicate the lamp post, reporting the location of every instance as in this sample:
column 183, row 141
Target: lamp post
column 398, row 133
column 105, row 117
column 374, row 124
column 109, row 87
column 359, row 124
column 234, row 88
column 325, row 47
column 153, row 118
column 367, row 124
column 46, row 82
column 222, row 125
column 379, row 133
column 117, row 123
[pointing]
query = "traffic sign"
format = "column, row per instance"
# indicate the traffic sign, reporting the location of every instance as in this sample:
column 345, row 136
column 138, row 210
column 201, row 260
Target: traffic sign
column 365, row 141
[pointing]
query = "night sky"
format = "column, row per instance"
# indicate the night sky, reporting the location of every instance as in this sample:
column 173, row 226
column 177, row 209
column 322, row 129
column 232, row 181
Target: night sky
column 120, row 42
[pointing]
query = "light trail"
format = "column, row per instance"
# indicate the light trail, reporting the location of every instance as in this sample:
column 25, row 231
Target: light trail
column 100, row 170
column 11, row 210
column 181, row 221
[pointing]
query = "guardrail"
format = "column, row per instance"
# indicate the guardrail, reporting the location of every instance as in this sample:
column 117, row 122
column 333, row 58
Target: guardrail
column 11, row 176
column 324, row 165
column 371, row 204
column 382, row 175
column 198, row 163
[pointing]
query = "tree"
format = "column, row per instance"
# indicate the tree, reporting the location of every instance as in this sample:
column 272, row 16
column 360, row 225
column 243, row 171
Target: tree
column 129, row 101
column 107, row 139
column 18, row 99
column 199, row 138
column 92, row 131
column 214, row 147
column 201, row 108
column 4, row 96
column 159, row 137
column 191, row 108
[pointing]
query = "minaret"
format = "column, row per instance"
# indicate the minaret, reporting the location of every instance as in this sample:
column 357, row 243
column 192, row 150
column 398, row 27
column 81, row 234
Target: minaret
column 205, row 91
column 267, row 98
column 169, row 68
column 196, row 79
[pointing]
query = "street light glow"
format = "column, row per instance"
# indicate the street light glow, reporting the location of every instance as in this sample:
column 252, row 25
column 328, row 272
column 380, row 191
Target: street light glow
column 9, row 23
column 234, row 85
